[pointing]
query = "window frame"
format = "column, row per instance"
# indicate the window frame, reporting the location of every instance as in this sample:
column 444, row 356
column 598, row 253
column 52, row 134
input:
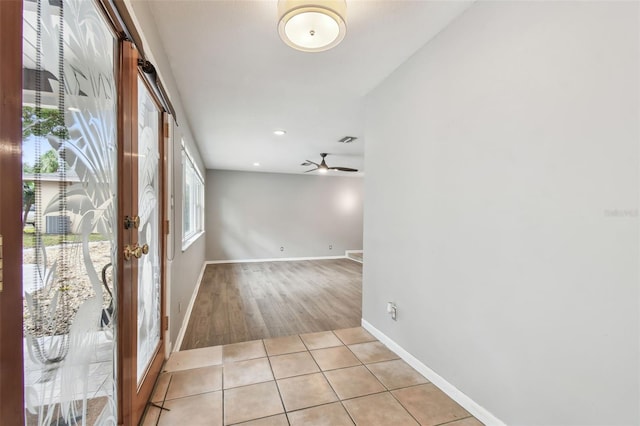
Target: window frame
column 190, row 170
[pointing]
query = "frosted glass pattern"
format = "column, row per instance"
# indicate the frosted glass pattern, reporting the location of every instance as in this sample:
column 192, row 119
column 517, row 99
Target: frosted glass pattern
column 69, row 212
column 148, row 210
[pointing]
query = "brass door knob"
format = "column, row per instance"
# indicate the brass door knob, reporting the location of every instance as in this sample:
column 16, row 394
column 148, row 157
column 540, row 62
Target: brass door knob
column 131, row 222
column 127, row 252
column 135, row 250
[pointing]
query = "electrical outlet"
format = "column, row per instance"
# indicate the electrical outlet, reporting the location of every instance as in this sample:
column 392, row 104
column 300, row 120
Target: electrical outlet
column 281, row 248
column 330, row 246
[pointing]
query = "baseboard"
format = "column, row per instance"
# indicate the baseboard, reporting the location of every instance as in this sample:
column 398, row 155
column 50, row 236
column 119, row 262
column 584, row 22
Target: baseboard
column 454, row 393
column 278, row 259
column 348, row 252
column 187, row 314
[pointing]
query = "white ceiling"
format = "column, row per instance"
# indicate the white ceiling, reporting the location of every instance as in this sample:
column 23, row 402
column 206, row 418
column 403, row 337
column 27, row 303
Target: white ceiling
column 239, row 82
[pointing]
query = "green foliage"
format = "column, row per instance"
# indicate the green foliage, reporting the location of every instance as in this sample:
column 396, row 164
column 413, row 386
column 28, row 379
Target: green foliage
column 45, row 122
column 28, row 194
column 28, row 240
column 49, row 162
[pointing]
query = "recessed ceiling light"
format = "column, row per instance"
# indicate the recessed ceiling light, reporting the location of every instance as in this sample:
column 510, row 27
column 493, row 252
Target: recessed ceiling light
column 256, row 164
column 279, row 132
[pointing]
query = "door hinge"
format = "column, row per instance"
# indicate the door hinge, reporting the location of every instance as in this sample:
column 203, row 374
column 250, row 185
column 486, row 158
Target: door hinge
column 165, row 321
column 166, row 227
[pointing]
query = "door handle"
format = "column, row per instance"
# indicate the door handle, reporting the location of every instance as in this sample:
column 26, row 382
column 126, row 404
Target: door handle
column 127, row 252
column 135, row 250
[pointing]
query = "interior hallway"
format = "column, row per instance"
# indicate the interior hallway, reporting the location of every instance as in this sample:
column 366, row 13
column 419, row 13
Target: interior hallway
column 329, row 378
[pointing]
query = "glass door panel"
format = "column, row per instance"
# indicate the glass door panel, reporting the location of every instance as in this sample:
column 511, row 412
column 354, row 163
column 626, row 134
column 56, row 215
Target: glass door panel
column 149, row 264
column 69, row 213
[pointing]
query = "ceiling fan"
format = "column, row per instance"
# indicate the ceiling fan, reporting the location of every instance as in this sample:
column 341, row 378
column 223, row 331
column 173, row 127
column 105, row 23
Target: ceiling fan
column 323, row 168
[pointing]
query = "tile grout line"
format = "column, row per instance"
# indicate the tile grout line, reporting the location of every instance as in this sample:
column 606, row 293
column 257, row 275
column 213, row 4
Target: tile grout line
column 164, row 397
column 401, row 387
column 386, row 390
column 323, row 375
column 405, row 408
column 470, row 416
column 284, row 408
column 331, row 386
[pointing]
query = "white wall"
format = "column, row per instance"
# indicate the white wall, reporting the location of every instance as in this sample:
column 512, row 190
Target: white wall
column 183, row 267
column 251, row 215
column 501, row 209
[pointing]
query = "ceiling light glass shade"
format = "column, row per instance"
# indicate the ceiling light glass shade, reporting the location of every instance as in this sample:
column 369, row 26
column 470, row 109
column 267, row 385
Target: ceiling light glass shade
column 312, row 26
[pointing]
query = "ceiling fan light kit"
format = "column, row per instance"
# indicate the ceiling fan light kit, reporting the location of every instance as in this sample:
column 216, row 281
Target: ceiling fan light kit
column 312, row 26
column 323, row 168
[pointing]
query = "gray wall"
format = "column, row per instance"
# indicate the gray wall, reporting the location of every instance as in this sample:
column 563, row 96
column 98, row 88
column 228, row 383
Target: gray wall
column 251, row 215
column 501, row 209
column 183, row 268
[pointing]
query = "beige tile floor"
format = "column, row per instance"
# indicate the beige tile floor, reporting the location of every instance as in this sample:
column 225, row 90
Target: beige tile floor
column 333, row 378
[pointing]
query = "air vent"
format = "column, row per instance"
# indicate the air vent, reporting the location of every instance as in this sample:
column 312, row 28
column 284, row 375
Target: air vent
column 348, row 139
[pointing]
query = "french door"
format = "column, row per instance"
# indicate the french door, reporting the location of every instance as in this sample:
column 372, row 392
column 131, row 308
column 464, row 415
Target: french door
column 142, row 191
column 82, row 251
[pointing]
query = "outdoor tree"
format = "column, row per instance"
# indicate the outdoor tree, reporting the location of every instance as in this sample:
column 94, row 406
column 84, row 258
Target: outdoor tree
column 41, row 122
column 47, row 163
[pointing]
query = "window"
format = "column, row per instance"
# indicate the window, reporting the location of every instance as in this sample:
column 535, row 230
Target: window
column 192, row 200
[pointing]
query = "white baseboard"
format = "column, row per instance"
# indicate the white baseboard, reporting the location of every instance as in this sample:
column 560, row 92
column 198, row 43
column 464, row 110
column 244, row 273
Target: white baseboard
column 454, row 393
column 348, row 252
column 187, row 315
column 278, row 259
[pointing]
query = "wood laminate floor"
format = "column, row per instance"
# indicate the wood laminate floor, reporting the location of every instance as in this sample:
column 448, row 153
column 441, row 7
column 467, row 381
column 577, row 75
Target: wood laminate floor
column 248, row 301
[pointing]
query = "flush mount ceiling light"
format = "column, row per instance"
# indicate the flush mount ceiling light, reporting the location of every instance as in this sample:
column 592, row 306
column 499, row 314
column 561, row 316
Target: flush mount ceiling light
column 312, row 26
column 279, row 132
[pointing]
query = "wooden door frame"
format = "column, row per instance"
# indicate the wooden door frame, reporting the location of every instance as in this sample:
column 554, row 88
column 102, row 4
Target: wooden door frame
column 11, row 346
column 132, row 399
column 127, row 131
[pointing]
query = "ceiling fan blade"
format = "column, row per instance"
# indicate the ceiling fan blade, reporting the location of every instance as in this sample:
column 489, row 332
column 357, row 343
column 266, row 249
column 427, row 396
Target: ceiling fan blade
column 308, row 163
column 312, row 170
column 343, row 169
